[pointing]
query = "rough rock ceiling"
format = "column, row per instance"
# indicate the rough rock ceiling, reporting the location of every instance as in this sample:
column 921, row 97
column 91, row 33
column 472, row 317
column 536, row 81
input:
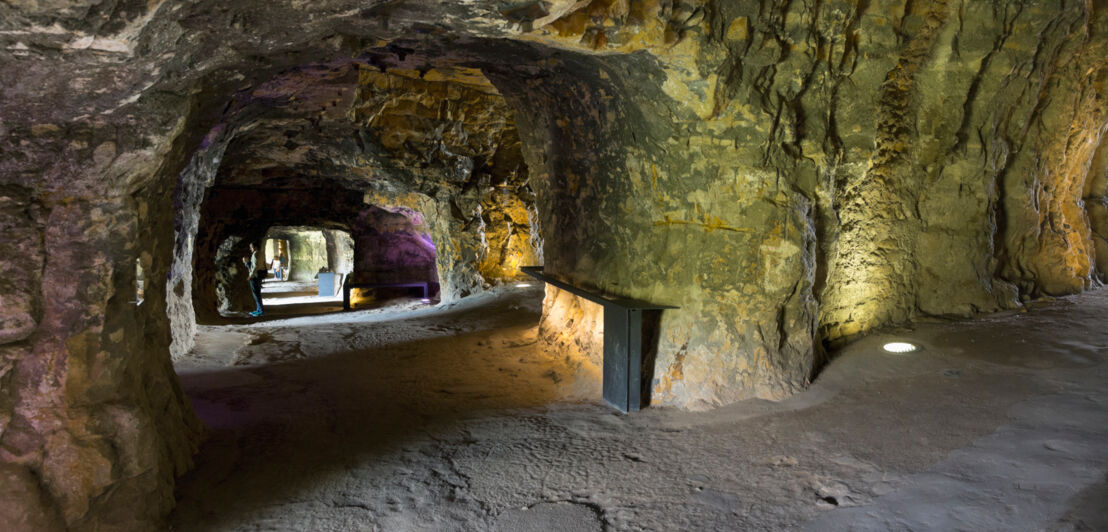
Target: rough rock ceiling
column 116, row 51
column 358, row 125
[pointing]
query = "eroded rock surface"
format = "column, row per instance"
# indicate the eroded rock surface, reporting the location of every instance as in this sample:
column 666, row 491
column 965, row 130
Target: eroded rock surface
column 790, row 175
column 21, row 273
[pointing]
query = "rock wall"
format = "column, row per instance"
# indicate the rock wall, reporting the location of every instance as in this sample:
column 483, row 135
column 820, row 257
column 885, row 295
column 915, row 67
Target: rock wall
column 475, row 200
column 93, row 424
column 230, row 278
column 676, row 225
column 22, row 305
column 1096, row 204
column 985, row 90
column 307, row 251
column 798, row 177
column 790, row 174
column 340, row 250
column 394, row 247
column 480, row 239
column 574, row 328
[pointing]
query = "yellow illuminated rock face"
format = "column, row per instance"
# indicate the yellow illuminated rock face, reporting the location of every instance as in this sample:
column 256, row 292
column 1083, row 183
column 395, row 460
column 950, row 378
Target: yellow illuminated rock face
column 793, row 179
column 440, row 142
column 789, row 177
column 574, row 327
column 451, row 128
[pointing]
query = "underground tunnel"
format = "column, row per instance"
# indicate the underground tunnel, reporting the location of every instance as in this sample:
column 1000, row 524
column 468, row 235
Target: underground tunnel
column 781, row 188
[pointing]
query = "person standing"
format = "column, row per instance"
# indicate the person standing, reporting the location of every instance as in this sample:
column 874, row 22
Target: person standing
column 256, row 277
column 276, row 267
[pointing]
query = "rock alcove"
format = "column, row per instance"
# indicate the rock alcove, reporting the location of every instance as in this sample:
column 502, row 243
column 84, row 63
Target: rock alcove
column 791, row 175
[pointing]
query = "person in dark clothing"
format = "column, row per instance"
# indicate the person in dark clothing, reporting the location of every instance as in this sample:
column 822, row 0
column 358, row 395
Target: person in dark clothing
column 256, row 277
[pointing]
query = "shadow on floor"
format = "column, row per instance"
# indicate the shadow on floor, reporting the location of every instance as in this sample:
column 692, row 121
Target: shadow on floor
column 280, row 431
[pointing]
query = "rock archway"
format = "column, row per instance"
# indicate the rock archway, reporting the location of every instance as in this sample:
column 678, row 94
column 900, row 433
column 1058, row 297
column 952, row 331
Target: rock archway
column 790, row 175
column 308, row 250
column 443, row 155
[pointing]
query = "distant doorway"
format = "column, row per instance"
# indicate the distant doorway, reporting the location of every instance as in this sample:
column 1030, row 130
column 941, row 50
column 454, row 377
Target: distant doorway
column 277, row 251
column 307, row 265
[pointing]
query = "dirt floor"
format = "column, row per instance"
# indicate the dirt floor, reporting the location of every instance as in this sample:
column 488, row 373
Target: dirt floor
column 417, row 417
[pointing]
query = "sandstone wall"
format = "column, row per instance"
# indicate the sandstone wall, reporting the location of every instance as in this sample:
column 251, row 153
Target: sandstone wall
column 674, row 218
column 340, row 250
column 452, row 129
column 230, row 279
column 808, row 175
column 790, row 174
column 307, row 250
column 92, row 418
column 394, row 247
column 1096, row 204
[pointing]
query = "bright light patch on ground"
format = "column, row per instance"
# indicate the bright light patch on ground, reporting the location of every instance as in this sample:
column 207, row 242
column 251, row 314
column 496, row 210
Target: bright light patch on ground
column 900, row 347
column 279, row 293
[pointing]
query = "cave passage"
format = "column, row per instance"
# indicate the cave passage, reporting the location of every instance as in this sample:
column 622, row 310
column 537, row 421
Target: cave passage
column 792, row 181
column 279, row 250
column 306, row 266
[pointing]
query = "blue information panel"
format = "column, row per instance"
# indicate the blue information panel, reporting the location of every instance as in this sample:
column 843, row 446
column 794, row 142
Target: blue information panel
column 327, row 284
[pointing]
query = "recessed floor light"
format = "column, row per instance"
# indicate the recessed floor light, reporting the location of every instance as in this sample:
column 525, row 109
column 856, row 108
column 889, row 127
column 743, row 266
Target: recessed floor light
column 900, row 347
column 523, row 285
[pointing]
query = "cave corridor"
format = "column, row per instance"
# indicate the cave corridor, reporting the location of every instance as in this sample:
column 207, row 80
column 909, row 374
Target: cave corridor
column 802, row 185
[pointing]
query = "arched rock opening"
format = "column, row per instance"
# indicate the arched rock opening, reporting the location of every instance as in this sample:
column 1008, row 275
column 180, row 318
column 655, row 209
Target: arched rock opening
column 329, row 142
column 790, row 177
column 306, row 250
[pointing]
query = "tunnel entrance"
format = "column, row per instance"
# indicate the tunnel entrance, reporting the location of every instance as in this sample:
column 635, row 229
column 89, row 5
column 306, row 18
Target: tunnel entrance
column 306, row 265
column 787, row 175
column 279, row 250
column 425, row 174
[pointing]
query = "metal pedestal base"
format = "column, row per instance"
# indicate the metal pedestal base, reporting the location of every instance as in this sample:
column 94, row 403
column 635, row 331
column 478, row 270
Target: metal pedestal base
column 623, row 341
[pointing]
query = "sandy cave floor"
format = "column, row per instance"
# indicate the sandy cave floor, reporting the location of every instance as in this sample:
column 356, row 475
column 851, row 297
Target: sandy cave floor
column 452, row 418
